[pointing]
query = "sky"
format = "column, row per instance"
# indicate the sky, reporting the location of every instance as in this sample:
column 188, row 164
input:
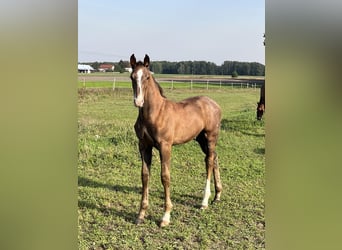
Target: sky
column 178, row 30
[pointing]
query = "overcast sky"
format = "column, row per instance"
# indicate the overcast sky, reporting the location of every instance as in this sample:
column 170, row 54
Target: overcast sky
column 178, row 30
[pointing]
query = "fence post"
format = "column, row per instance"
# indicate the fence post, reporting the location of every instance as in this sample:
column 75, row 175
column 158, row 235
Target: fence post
column 172, row 85
column 114, row 83
column 191, row 84
column 207, row 84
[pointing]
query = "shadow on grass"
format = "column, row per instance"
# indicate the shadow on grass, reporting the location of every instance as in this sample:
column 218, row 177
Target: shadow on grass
column 85, row 182
column 124, row 213
column 260, row 151
column 243, row 126
column 120, row 210
column 184, row 199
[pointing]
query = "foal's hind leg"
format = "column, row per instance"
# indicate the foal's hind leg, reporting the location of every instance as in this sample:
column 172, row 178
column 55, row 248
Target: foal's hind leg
column 217, row 179
column 146, row 158
column 208, row 145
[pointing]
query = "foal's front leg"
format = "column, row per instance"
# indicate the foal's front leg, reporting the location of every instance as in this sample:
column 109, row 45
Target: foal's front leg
column 165, row 158
column 146, row 158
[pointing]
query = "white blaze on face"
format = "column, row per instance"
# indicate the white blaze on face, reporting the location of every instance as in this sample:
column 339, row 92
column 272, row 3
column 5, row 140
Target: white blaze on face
column 139, row 98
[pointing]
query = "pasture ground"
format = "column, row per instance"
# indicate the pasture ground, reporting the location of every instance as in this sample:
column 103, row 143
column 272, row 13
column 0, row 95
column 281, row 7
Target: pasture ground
column 109, row 183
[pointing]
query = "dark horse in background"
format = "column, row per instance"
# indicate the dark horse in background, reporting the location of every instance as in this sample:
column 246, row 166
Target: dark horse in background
column 162, row 123
column 261, row 103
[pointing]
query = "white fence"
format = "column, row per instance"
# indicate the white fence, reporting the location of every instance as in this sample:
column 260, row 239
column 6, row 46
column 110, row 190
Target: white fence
column 210, row 84
column 120, row 83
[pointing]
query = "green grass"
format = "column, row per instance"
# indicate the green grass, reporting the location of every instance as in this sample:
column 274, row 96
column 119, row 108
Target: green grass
column 104, row 84
column 110, row 186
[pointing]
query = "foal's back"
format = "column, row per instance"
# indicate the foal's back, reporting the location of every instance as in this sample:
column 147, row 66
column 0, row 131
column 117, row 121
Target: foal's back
column 191, row 116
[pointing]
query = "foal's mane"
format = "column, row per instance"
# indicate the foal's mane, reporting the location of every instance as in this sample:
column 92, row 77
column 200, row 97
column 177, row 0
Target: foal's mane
column 159, row 87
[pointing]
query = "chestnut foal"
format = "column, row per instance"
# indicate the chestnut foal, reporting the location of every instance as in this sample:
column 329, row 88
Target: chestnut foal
column 162, row 123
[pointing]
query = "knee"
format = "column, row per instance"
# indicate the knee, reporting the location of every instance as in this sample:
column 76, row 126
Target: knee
column 165, row 178
column 144, row 204
column 145, row 177
column 145, row 174
column 210, row 158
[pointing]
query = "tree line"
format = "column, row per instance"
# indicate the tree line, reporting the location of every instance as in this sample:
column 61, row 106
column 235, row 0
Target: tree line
column 196, row 67
column 208, row 68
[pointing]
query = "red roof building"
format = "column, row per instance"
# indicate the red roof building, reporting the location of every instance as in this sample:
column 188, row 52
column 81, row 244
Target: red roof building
column 106, row 67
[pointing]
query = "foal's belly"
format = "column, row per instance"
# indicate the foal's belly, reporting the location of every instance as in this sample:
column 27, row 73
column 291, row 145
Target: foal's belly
column 187, row 129
column 183, row 136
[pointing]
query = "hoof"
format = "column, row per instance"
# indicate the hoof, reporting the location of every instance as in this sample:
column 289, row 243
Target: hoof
column 204, row 207
column 139, row 221
column 215, row 202
column 164, row 223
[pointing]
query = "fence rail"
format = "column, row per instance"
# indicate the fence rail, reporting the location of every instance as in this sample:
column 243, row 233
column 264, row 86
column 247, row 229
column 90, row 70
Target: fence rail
column 210, row 84
column 116, row 83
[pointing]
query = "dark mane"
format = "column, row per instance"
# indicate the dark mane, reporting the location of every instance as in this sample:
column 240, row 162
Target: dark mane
column 159, row 87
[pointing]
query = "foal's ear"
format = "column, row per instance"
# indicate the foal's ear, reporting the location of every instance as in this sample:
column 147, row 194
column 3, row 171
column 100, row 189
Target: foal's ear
column 147, row 61
column 133, row 61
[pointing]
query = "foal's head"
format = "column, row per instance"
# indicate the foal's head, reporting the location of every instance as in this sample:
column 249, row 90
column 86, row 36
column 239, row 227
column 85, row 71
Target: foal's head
column 140, row 74
column 260, row 110
column 142, row 80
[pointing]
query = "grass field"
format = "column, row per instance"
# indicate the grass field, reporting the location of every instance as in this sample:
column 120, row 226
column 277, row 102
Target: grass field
column 110, row 185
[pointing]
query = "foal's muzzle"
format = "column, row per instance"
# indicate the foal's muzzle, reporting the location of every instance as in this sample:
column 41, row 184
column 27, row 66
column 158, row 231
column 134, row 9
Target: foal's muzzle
column 138, row 102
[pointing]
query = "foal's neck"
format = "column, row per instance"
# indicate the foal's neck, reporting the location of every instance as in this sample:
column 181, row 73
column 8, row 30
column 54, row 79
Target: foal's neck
column 153, row 101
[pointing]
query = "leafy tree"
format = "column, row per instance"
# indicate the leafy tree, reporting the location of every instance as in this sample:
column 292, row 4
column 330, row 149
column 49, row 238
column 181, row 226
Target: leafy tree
column 181, row 68
column 121, row 65
column 197, row 67
column 157, row 67
column 95, row 65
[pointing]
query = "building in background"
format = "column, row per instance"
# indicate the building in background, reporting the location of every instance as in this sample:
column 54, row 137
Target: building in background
column 84, row 68
column 106, row 67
